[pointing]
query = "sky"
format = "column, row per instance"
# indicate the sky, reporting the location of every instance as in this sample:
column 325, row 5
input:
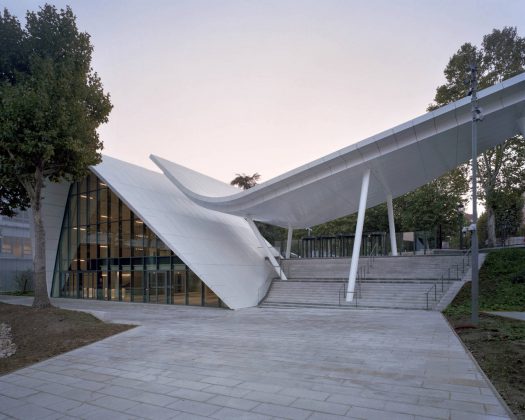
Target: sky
column 244, row 86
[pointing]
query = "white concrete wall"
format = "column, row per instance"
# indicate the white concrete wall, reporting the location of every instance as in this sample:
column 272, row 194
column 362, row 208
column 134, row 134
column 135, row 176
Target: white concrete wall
column 220, row 248
column 53, row 206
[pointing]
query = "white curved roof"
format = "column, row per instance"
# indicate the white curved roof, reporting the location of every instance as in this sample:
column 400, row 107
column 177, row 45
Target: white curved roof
column 401, row 159
column 220, row 248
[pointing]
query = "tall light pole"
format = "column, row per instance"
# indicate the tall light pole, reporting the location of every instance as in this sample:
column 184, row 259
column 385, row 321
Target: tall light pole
column 476, row 117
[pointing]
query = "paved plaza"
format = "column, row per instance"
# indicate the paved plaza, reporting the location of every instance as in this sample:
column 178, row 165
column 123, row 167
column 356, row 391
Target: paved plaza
column 197, row 363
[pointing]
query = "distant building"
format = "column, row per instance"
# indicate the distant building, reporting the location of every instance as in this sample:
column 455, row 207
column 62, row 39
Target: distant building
column 15, row 249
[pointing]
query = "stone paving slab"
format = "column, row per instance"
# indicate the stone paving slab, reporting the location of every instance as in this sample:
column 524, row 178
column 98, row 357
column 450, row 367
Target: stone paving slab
column 195, row 363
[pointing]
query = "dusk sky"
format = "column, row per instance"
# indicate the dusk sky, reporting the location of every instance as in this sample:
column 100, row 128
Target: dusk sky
column 265, row 86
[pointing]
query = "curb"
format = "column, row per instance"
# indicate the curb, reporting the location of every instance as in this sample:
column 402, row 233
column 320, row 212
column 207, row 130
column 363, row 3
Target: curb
column 491, row 386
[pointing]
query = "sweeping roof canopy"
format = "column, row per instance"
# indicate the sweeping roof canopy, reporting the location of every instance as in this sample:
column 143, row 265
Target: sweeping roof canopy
column 400, row 160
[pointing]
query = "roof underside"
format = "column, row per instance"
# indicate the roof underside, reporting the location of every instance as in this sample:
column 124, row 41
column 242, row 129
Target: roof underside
column 401, row 160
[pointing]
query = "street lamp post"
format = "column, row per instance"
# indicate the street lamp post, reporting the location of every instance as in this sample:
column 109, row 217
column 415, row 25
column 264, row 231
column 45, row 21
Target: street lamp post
column 476, row 117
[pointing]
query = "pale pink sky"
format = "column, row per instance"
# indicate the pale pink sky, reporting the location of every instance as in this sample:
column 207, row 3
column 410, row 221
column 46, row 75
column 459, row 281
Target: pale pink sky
column 244, row 86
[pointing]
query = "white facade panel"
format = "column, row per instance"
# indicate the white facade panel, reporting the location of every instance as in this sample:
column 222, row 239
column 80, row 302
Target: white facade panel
column 219, row 248
column 53, row 206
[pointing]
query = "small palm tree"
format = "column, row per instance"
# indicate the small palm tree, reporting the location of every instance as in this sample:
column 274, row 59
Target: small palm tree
column 245, row 181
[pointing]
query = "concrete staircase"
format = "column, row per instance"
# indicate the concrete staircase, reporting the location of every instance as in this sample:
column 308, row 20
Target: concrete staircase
column 389, row 282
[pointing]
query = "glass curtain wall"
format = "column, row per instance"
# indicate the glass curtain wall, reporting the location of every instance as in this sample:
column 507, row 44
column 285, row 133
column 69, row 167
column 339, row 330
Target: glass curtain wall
column 106, row 252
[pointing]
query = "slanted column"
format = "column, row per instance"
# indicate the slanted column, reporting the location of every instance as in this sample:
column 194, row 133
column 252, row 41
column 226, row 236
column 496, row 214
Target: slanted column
column 358, row 235
column 289, row 242
column 266, row 248
column 391, row 225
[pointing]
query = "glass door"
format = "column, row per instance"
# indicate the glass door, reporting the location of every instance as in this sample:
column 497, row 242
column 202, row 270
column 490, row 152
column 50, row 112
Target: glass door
column 88, row 284
column 178, row 285
column 156, row 287
column 161, row 287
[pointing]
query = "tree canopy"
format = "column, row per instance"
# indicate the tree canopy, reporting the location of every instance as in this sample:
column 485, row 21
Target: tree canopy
column 501, row 169
column 245, row 181
column 434, row 205
column 51, row 103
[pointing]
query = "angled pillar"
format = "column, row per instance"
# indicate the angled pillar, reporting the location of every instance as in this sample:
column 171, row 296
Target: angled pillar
column 289, row 242
column 358, row 235
column 266, row 248
column 391, row 225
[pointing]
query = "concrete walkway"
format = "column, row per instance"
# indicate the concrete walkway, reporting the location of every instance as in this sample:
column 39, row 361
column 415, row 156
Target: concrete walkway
column 195, row 363
column 513, row 315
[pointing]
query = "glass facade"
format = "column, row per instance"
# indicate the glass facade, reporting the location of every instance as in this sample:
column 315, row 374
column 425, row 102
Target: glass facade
column 108, row 253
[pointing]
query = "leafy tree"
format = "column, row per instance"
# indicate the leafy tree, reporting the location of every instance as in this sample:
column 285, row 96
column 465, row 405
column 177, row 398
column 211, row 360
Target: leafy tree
column 501, row 56
column 376, row 220
column 434, row 205
column 51, row 103
column 245, row 181
column 269, row 232
column 508, row 212
column 431, row 206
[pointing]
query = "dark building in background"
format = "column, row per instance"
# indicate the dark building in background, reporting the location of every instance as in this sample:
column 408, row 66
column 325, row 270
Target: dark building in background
column 15, row 250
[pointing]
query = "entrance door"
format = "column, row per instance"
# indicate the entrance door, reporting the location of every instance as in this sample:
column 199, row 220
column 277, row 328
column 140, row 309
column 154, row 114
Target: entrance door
column 88, row 284
column 156, row 287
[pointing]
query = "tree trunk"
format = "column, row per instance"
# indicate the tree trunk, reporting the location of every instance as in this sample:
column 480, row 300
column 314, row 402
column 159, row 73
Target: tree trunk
column 39, row 259
column 491, row 227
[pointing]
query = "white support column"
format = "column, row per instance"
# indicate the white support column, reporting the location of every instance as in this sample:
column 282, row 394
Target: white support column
column 265, row 247
column 289, row 242
column 358, row 235
column 391, row 225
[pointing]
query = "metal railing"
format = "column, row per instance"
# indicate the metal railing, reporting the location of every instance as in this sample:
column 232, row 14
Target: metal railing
column 343, row 290
column 263, row 290
column 370, row 258
column 434, row 288
column 465, row 262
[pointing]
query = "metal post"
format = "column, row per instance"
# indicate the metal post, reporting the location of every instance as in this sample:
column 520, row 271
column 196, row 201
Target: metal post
column 289, row 243
column 391, row 225
column 476, row 116
column 358, row 235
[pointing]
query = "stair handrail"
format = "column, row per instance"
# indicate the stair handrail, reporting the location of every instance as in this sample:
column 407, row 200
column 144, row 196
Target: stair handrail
column 449, row 278
column 342, row 290
column 361, row 275
column 371, row 257
column 466, row 257
column 429, row 291
column 267, row 284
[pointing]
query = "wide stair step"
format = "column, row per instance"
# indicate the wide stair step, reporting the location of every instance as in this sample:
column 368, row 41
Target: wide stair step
column 416, row 282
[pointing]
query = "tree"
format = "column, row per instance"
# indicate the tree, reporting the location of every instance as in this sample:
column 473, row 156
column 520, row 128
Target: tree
column 431, row 206
column 501, row 56
column 269, row 232
column 51, row 103
column 245, row 181
column 376, row 220
column 434, row 205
